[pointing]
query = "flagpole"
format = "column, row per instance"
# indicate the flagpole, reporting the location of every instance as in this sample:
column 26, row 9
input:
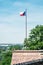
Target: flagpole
column 26, row 24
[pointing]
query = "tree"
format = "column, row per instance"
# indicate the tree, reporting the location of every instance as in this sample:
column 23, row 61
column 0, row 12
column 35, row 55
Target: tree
column 7, row 58
column 16, row 47
column 35, row 39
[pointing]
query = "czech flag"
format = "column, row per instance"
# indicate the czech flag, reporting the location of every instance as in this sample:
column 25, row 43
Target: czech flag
column 23, row 13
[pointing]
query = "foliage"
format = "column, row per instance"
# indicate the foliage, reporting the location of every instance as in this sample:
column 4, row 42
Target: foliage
column 16, row 47
column 35, row 39
column 6, row 58
column 6, row 55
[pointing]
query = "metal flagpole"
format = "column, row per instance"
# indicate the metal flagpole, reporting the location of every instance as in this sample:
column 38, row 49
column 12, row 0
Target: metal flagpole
column 26, row 24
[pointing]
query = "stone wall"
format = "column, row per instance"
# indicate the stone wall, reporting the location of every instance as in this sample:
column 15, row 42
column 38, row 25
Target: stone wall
column 24, row 57
column 37, row 62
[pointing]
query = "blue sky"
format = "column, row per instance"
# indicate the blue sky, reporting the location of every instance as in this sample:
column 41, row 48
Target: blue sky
column 12, row 25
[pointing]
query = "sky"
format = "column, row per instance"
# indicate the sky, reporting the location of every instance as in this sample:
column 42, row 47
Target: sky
column 12, row 25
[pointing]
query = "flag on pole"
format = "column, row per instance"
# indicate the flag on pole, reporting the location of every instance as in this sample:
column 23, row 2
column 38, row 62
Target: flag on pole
column 23, row 13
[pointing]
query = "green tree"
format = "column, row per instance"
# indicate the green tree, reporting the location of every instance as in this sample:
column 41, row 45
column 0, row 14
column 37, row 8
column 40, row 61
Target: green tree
column 35, row 39
column 7, row 58
column 18, row 47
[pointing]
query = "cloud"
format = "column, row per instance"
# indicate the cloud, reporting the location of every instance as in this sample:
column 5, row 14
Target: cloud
column 21, row 3
column 11, row 34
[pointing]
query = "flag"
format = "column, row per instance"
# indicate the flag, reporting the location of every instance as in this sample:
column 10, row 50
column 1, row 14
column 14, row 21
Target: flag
column 23, row 13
